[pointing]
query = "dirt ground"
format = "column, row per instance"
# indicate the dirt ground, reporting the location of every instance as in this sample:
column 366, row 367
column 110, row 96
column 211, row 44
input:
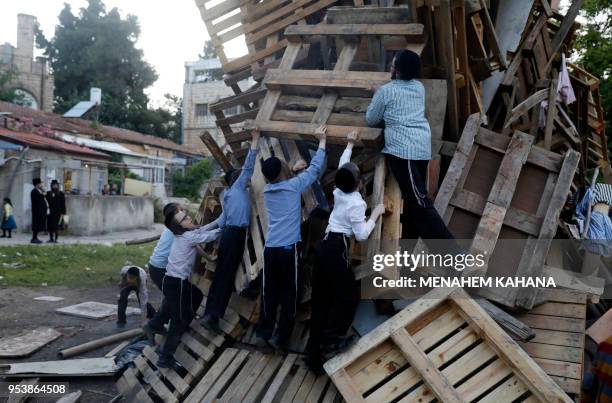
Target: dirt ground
column 19, row 312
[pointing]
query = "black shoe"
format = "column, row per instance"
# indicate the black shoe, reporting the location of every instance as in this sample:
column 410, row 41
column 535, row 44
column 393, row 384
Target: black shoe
column 315, row 364
column 150, row 333
column 338, row 346
column 278, row 344
column 169, row 363
column 36, row 241
column 211, row 324
column 2, row 236
column 121, row 325
column 50, row 241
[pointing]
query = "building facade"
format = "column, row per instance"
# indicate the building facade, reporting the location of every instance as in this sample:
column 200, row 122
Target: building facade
column 204, row 86
column 31, row 76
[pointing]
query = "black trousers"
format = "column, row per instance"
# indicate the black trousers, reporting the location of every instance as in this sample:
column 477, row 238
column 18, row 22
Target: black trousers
column 52, row 225
column 162, row 316
column 231, row 250
column 280, row 288
column 420, row 216
column 335, row 293
column 183, row 300
column 123, row 302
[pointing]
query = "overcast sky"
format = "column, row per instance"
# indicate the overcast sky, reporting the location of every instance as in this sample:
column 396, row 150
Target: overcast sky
column 172, row 32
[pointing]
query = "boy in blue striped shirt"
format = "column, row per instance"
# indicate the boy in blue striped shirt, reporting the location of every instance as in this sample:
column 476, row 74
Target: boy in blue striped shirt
column 399, row 106
column 282, row 257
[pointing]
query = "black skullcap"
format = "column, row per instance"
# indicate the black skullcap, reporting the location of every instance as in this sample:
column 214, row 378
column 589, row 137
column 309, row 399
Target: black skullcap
column 36, row 181
column 271, row 168
column 54, row 182
column 347, row 177
column 407, row 64
column 231, row 176
column 133, row 271
column 169, row 208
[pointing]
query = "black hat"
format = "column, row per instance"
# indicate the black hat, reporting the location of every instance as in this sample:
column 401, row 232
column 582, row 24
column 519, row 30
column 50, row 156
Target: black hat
column 347, row 177
column 407, row 64
column 36, row 181
column 169, row 208
column 54, row 182
column 271, row 168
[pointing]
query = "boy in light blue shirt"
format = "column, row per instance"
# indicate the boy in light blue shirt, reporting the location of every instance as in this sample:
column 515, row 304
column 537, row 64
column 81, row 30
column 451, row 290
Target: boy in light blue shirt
column 234, row 223
column 282, row 197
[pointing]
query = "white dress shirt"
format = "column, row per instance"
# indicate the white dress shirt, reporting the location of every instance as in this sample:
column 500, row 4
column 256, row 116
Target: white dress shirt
column 348, row 215
column 183, row 251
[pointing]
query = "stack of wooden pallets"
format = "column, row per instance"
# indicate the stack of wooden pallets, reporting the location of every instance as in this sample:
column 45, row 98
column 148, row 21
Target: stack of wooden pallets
column 497, row 173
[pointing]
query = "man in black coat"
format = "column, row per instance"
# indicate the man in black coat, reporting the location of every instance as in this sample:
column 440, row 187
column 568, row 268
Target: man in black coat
column 57, row 209
column 39, row 210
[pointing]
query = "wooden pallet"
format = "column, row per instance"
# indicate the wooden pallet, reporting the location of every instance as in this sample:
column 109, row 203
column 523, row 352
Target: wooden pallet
column 505, row 188
column 444, row 347
column 246, row 376
column 261, row 23
column 558, row 346
column 147, row 383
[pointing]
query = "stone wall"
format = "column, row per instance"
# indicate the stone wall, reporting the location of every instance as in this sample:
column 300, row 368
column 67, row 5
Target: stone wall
column 94, row 215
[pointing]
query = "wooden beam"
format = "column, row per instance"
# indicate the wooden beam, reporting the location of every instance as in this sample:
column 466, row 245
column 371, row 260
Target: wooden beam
column 412, row 32
column 216, row 151
column 433, row 378
column 276, row 78
column 368, row 137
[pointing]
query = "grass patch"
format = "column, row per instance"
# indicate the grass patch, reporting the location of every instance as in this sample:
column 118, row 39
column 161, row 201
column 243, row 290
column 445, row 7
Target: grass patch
column 76, row 266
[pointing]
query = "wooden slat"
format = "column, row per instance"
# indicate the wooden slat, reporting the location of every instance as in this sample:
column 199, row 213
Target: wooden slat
column 413, row 32
column 435, row 381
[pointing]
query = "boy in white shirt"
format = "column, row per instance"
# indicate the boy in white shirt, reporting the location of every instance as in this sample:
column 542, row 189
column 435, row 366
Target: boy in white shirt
column 182, row 297
column 335, row 292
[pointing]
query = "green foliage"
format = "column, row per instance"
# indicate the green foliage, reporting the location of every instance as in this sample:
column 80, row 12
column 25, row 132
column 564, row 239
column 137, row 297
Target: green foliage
column 208, row 52
column 594, row 50
column 69, row 265
column 97, row 48
column 188, row 184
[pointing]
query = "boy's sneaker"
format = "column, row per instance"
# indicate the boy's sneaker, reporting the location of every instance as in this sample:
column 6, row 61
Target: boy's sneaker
column 121, row 325
column 338, row 346
column 211, row 324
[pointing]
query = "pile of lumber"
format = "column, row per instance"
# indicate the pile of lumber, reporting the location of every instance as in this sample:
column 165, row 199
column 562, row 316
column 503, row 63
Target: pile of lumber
column 497, row 173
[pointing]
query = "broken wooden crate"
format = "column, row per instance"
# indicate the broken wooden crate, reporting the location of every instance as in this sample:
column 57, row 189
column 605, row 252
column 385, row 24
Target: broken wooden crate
column 504, row 188
column 444, row 347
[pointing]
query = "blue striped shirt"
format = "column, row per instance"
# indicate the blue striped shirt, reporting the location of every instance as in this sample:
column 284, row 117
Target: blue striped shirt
column 400, row 104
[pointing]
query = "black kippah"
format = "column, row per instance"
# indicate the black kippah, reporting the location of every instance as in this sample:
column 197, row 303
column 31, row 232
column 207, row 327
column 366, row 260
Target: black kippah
column 407, row 64
column 345, row 180
column 271, row 168
column 231, row 176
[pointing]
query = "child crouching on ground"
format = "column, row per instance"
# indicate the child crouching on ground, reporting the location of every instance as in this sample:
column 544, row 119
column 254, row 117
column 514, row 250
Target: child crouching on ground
column 133, row 279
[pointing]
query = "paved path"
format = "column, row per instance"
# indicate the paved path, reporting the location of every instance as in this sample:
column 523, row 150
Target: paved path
column 21, row 238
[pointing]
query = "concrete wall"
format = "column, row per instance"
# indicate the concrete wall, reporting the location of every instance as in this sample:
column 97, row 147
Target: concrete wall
column 93, row 215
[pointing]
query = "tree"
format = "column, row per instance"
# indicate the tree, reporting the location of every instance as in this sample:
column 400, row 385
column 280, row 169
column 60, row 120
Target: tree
column 594, row 50
column 189, row 183
column 97, row 48
column 209, row 51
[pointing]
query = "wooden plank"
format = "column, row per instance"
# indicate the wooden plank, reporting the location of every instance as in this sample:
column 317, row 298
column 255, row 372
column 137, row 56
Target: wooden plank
column 76, row 367
column 27, row 343
column 211, row 376
column 216, row 151
column 526, row 297
column 345, row 386
column 276, row 78
column 368, row 15
column 368, row 137
column 501, row 194
column 438, row 384
column 279, row 378
column 525, row 369
column 228, row 372
column 412, row 32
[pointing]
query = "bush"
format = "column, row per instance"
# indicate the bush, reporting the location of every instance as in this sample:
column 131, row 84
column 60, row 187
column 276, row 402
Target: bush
column 188, row 184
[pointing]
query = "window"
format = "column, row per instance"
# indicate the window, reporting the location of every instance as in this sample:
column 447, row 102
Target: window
column 201, row 110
